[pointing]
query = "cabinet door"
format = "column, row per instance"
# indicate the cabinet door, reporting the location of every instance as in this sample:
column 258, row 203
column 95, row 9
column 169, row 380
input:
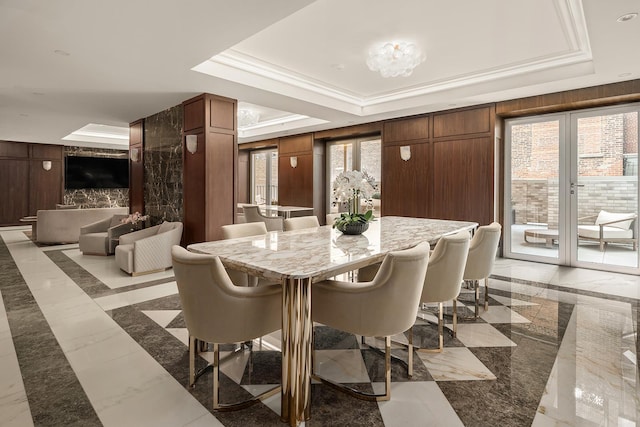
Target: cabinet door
column 14, row 191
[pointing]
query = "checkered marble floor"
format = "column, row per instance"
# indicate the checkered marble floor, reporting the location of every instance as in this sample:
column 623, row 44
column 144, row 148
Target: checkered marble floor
column 554, row 348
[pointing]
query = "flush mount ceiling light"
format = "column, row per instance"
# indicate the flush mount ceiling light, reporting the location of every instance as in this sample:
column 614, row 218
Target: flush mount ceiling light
column 395, row 59
column 247, row 117
column 627, row 17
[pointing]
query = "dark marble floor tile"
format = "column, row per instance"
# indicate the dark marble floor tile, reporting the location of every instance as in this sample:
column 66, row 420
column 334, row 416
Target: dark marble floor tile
column 171, row 302
column 374, row 361
column 178, row 322
column 426, row 336
column 326, row 338
column 263, row 367
column 330, row 407
column 53, row 391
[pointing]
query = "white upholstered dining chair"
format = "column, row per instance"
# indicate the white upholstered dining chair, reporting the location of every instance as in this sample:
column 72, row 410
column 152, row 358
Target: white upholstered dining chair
column 444, row 278
column 383, row 307
column 482, row 255
column 216, row 311
column 252, row 214
column 301, row 222
column 233, row 231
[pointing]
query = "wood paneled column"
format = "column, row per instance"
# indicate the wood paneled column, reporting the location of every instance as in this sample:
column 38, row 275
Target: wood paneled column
column 209, row 174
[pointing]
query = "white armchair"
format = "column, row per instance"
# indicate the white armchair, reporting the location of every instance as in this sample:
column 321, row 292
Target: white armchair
column 383, row 307
column 149, row 250
column 218, row 312
column 101, row 237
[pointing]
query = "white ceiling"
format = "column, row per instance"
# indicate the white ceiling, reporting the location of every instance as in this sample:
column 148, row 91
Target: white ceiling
column 65, row 64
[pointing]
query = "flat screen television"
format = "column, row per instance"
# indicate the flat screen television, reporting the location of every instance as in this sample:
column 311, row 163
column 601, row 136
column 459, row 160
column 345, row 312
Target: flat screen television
column 96, row 172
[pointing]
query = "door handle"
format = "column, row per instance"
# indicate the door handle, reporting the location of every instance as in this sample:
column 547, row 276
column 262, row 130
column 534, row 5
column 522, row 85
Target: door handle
column 573, row 187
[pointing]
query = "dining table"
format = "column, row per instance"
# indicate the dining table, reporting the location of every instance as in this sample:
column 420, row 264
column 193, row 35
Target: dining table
column 299, row 258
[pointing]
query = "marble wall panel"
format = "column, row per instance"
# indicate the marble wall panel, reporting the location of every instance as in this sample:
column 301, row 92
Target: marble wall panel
column 163, row 165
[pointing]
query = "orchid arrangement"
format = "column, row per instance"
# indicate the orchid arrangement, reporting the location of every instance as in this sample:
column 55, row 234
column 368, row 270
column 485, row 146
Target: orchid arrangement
column 134, row 218
column 351, row 187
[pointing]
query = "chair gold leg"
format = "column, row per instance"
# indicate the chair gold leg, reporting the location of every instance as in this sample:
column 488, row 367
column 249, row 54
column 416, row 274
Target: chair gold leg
column 486, row 294
column 476, row 289
column 387, row 368
column 193, row 342
column 216, row 369
column 410, row 355
column 455, row 318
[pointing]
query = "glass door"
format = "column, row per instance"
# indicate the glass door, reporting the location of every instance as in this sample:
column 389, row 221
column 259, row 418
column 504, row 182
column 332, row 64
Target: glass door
column 264, row 177
column 571, row 189
column 534, row 154
column 604, row 189
column 355, row 154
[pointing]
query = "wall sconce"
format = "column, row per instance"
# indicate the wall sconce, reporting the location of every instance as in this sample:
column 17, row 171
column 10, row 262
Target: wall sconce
column 405, row 152
column 134, row 155
column 192, row 143
column 46, row 165
column 293, row 161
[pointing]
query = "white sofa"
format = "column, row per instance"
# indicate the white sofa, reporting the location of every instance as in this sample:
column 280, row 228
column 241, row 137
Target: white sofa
column 63, row 225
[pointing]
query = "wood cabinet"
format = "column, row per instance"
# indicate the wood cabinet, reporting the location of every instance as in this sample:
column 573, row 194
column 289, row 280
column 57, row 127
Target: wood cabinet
column 26, row 185
column 209, row 173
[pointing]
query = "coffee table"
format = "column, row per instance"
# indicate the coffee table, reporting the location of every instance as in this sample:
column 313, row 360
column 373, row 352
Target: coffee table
column 549, row 235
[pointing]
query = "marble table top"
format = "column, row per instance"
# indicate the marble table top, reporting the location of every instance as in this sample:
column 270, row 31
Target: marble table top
column 324, row 252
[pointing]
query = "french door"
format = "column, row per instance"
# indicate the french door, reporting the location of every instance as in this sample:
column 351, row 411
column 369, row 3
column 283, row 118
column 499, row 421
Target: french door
column 566, row 175
column 264, row 177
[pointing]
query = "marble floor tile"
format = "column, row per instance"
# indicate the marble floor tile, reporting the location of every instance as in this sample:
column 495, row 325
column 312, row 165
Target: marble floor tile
column 14, row 406
column 344, row 366
column 162, row 317
column 107, row 271
column 455, row 364
column 500, row 314
column 511, row 302
column 111, row 302
column 482, row 335
column 417, row 403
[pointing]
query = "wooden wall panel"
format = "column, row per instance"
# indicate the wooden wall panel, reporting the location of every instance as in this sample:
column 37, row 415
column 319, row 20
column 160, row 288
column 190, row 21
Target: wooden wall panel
column 405, row 184
column 194, row 113
column 47, row 152
column 194, row 192
column 45, row 187
column 462, row 122
column 295, row 185
column 590, row 97
column 219, row 194
column 406, row 130
column 244, row 176
column 14, row 191
column 222, row 113
column 463, row 180
column 14, row 149
column 296, row 144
